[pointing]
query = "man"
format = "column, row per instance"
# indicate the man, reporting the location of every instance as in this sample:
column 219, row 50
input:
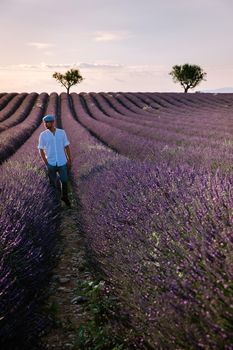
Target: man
column 55, row 152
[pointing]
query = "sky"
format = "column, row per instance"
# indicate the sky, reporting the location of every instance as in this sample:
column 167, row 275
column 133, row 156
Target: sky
column 118, row 45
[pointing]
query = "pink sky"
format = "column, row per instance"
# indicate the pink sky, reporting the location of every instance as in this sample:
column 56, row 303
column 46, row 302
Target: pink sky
column 118, row 45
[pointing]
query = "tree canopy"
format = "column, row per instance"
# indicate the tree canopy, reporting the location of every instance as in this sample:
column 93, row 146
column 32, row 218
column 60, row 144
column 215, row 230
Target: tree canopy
column 70, row 78
column 188, row 75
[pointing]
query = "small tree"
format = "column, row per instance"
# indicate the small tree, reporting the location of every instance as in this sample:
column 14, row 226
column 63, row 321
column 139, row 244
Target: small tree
column 68, row 79
column 188, row 75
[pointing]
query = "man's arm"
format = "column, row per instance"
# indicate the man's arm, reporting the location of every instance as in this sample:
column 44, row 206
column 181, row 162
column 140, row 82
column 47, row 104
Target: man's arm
column 68, row 156
column 42, row 154
column 41, row 148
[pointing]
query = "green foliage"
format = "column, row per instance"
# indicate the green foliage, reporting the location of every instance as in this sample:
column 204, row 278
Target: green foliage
column 70, row 78
column 188, row 75
column 98, row 332
column 53, row 308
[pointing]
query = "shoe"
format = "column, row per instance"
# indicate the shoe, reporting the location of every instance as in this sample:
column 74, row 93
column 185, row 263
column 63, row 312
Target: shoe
column 66, row 201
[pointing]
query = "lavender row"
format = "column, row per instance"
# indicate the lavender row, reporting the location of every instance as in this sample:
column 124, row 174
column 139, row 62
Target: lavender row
column 193, row 100
column 132, row 107
column 158, row 107
column 83, row 143
column 21, row 113
column 135, row 106
column 90, row 157
column 200, row 111
column 145, row 100
column 14, row 137
column 136, row 147
column 113, row 109
column 119, row 140
column 109, row 107
column 162, row 237
column 170, row 119
column 121, row 109
column 151, row 130
column 29, row 222
column 182, row 111
column 12, row 106
column 207, row 105
column 189, row 124
column 154, row 131
column 164, row 241
column 199, row 131
column 5, row 99
column 208, row 117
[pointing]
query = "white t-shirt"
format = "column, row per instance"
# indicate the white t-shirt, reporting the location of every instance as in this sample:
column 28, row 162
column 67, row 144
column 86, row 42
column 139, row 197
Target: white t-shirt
column 53, row 145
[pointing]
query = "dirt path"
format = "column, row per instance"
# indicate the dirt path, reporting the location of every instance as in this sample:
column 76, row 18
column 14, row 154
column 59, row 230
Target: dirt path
column 66, row 307
column 74, row 302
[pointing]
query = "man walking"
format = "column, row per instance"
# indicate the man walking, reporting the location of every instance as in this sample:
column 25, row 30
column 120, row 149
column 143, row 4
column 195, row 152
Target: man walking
column 55, row 152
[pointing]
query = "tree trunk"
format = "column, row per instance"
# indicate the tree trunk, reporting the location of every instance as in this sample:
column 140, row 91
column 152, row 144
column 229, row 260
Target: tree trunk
column 186, row 89
column 68, row 90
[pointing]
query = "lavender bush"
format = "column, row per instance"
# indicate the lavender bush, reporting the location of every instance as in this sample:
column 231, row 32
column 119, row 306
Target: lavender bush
column 162, row 237
column 29, row 223
column 12, row 106
column 21, row 111
column 14, row 137
column 6, row 98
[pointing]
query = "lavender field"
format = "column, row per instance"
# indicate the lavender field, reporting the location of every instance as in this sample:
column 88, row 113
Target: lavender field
column 153, row 174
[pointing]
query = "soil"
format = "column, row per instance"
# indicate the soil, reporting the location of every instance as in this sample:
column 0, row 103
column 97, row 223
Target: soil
column 68, row 310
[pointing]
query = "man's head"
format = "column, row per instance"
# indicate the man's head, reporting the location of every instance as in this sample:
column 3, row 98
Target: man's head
column 49, row 120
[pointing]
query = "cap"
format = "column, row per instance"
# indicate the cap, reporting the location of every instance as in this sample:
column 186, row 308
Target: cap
column 49, row 118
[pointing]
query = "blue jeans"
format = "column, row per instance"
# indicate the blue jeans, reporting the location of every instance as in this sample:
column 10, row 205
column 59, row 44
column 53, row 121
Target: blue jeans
column 61, row 170
column 53, row 172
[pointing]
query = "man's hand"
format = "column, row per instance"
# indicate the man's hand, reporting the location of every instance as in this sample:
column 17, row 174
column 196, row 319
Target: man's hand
column 69, row 164
column 68, row 156
column 43, row 157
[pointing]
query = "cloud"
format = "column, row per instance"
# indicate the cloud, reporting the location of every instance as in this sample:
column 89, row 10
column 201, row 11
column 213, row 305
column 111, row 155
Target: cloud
column 18, row 67
column 59, row 66
column 48, row 53
column 113, row 67
column 111, row 36
column 100, row 65
column 40, row 46
column 99, row 76
column 146, row 68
